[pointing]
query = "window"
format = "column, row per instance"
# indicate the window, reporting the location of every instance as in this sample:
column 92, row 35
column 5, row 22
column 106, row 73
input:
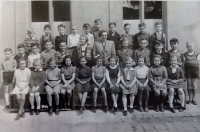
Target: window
column 40, row 11
column 61, row 10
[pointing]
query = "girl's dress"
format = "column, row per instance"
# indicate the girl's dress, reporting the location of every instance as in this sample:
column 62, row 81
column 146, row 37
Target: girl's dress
column 158, row 74
column 99, row 72
column 83, row 73
column 37, row 79
column 68, row 72
column 53, row 76
column 175, row 74
column 22, row 77
column 113, row 74
column 141, row 74
column 128, row 77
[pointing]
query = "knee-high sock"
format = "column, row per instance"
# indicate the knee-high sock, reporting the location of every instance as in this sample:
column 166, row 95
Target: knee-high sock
column 132, row 98
column 84, row 99
column 21, row 107
column 140, row 98
column 194, row 94
column 116, row 98
column 7, row 98
column 146, row 95
column 182, row 98
column 190, row 94
column 31, row 99
column 171, row 98
column 95, row 98
column 124, row 100
column 104, row 97
column 38, row 100
column 49, row 99
column 56, row 96
column 113, row 98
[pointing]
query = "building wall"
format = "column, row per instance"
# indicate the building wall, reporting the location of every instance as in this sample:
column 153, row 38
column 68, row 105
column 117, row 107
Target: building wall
column 184, row 22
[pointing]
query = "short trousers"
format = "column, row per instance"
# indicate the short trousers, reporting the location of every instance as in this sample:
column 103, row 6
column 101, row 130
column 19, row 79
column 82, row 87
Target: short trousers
column 7, row 77
column 191, row 72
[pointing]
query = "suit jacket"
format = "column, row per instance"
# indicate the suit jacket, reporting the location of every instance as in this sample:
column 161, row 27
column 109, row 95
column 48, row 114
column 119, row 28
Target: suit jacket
column 109, row 50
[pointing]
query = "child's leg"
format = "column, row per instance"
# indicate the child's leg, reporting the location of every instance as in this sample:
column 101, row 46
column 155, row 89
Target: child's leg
column 157, row 95
column 95, row 96
column 63, row 96
column 194, row 87
column 69, row 95
column 163, row 96
column 146, row 95
column 181, row 96
column 56, row 96
column 49, row 99
column 103, row 91
column 140, row 93
column 22, row 102
column 132, row 98
column 124, row 101
column 189, row 88
column 114, row 99
column 38, row 99
column 31, row 99
column 6, row 94
column 171, row 97
column 80, row 95
column 84, row 97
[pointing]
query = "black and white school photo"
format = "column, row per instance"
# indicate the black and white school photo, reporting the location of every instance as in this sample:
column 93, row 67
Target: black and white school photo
column 102, row 66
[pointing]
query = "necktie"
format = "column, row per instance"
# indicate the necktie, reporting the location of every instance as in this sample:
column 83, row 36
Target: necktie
column 128, row 76
column 104, row 46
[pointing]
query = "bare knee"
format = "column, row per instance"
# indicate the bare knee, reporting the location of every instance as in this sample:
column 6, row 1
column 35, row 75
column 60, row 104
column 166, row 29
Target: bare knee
column 63, row 92
column 180, row 91
column 37, row 94
column 123, row 95
column 31, row 95
column 164, row 93
column 23, row 96
column 48, row 94
column 171, row 92
column 157, row 92
column 103, row 90
column 95, row 90
column 69, row 92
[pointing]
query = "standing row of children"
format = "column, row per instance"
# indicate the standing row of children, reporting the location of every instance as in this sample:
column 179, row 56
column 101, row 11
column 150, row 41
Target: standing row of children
column 141, row 64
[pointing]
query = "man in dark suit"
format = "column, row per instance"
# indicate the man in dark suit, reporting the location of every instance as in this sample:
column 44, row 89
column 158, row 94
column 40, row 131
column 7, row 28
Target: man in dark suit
column 104, row 47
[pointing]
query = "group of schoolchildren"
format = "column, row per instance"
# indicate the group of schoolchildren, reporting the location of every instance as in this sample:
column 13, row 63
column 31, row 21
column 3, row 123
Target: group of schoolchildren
column 140, row 64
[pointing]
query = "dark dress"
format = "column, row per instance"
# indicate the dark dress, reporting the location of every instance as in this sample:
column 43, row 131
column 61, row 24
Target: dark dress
column 83, row 73
column 113, row 74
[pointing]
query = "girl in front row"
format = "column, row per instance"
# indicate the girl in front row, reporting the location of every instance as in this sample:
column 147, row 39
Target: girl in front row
column 21, row 76
column 142, row 73
column 99, row 78
column 68, row 76
column 158, row 77
column 83, row 78
column 128, row 85
column 53, row 79
column 113, row 79
column 175, row 82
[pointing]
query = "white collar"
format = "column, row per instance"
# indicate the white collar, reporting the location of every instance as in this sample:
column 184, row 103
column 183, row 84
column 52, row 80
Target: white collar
column 174, row 67
column 113, row 67
column 191, row 53
column 131, row 69
column 38, row 70
column 159, row 32
column 127, row 34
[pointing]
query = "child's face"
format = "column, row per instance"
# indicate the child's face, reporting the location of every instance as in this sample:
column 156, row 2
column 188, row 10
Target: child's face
column 112, row 62
column 31, row 35
column 37, row 66
column 87, row 30
column 99, row 62
column 97, row 25
column 129, row 64
column 47, row 31
column 82, row 40
column 68, row 61
column 173, row 61
column 112, row 28
column 74, row 29
column 158, row 28
column 190, row 47
column 156, row 61
column 141, row 62
column 7, row 54
column 21, row 51
column 63, row 46
column 104, row 36
column 174, row 46
column 52, row 64
column 125, row 44
column 143, row 44
column 48, row 46
column 159, row 47
column 141, row 29
column 34, row 49
column 22, row 64
column 127, row 29
column 61, row 30
column 83, row 62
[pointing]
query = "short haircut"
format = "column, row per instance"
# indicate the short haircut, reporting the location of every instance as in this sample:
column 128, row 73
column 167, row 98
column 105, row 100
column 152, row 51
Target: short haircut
column 35, row 44
column 61, row 25
column 85, row 36
column 86, row 25
column 82, row 57
column 143, row 39
column 172, row 57
column 22, row 59
column 67, row 57
column 158, row 42
column 8, row 50
column 101, row 32
column 142, row 25
column 156, row 56
column 141, row 57
column 174, row 40
column 97, row 21
column 36, row 61
column 99, row 57
column 112, row 23
column 21, row 46
column 129, row 59
column 30, row 30
column 189, row 42
column 63, row 42
column 51, row 59
column 47, row 26
column 124, row 39
column 74, row 26
column 48, row 40
column 113, row 57
column 127, row 24
column 158, row 23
